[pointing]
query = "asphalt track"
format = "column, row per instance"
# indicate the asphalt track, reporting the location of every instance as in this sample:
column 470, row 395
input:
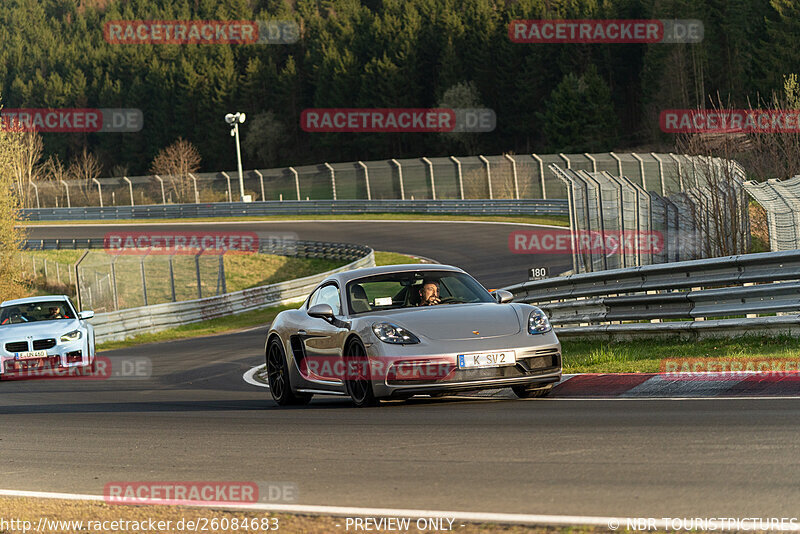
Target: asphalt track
column 195, row 419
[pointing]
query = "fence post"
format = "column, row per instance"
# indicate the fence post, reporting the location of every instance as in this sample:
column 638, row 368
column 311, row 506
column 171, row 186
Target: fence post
column 197, row 272
column 591, row 158
column 114, row 282
column 366, row 179
column 460, row 176
column 221, row 275
column 514, row 174
column 333, row 178
column 660, row 173
column 261, row 180
column 144, row 278
column 99, row 191
column 400, row 175
column 163, row 196
column 228, row 178
column 619, row 163
column 130, row 188
column 196, row 194
column 66, row 186
column 541, row 175
column 433, row 182
column 680, row 170
column 488, row 175
column 566, row 159
column 35, row 188
column 78, row 280
column 296, row 181
column 172, row 278
column 641, row 169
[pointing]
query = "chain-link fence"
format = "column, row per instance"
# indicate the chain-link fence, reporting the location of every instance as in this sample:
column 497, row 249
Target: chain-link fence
column 781, row 200
column 518, row 176
column 615, row 222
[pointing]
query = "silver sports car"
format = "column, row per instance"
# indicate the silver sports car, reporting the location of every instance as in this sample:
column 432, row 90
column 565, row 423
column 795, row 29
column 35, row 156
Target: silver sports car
column 44, row 337
column 396, row 331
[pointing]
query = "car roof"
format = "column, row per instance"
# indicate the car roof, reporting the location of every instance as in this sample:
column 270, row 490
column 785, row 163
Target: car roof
column 29, row 300
column 346, row 276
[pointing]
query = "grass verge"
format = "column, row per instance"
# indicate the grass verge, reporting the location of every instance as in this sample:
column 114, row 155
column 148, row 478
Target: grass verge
column 583, row 356
column 555, row 220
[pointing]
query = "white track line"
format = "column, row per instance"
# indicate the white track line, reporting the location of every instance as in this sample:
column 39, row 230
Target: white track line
column 348, row 511
column 249, row 377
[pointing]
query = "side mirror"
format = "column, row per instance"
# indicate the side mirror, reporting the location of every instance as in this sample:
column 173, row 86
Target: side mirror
column 503, row 297
column 321, row 311
column 85, row 315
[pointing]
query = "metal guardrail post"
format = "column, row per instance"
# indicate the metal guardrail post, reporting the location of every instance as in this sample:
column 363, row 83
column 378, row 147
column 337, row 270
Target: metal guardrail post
column 172, row 278
column 460, row 176
column 400, row 176
column 488, row 175
column 261, row 181
column 160, row 181
column 333, row 178
column 99, row 191
column 66, row 186
column 144, row 278
column 221, row 285
column 130, row 188
column 514, row 175
column 619, row 163
column 197, row 272
column 366, row 179
column 641, row 169
column 592, row 159
column 228, row 178
column 660, row 173
column 78, row 280
column 541, row 176
column 429, row 163
column 296, row 181
column 114, row 282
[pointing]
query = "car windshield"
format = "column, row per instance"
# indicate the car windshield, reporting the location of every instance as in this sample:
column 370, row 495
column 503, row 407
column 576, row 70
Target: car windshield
column 30, row 312
column 413, row 289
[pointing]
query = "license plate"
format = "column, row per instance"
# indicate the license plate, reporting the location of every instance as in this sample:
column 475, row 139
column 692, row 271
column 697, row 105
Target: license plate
column 32, row 355
column 486, row 359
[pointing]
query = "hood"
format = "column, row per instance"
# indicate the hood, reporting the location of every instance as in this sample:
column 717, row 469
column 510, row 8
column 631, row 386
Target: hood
column 451, row 322
column 37, row 330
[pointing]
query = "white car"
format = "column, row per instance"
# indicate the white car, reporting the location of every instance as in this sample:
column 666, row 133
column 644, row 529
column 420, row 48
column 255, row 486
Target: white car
column 44, row 336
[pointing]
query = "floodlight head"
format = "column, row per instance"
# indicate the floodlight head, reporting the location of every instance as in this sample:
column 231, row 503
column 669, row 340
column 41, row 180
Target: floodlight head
column 241, row 117
column 230, row 118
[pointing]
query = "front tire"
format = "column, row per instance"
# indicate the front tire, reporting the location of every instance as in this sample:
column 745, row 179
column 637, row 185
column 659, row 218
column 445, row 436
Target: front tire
column 527, row 392
column 358, row 379
column 278, row 377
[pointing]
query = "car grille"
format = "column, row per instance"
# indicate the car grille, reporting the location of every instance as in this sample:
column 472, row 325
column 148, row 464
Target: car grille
column 44, row 344
column 17, row 346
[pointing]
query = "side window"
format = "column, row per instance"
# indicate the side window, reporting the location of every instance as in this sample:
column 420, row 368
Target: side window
column 327, row 295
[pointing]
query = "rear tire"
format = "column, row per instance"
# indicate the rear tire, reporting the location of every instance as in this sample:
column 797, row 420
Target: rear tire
column 280, row 385
column 527, row 392
column 358, row 380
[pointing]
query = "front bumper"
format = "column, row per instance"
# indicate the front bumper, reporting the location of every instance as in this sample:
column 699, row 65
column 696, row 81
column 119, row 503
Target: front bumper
column 63, row 356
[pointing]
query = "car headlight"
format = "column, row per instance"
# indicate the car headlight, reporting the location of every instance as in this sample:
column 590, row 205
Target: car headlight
column 538, row 322
column 391, row 333
column 71, row 336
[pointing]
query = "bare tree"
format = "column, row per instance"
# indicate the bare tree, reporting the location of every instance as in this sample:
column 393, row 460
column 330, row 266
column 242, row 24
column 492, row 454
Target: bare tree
column 84, row 168
column 174, row 164
column 24, row 164
column 53, row 170
column 12, row 235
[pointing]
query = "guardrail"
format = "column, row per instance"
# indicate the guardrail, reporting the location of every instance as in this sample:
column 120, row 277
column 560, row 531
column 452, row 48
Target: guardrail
column 702, row 298
column 127, row 323
column 301, row 207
